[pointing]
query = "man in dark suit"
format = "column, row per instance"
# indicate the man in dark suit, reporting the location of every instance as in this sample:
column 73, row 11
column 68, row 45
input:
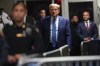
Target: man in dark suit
column 42, row 14
column 87, row 30
column 55, row 29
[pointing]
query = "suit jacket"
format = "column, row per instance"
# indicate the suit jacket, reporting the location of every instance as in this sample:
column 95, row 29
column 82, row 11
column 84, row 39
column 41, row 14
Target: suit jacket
column 39, row 24
column 64, row 33
column 91, row 32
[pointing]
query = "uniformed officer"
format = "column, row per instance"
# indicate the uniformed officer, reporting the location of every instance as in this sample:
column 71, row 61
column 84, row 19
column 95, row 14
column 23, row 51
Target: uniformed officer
column 3, row 50
column 22, row 38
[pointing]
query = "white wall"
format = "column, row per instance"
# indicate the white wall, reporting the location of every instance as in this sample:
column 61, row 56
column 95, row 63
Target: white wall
column 99, row 15
column 7, row 5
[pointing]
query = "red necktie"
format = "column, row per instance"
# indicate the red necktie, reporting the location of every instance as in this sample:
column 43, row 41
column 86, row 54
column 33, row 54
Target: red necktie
column 87, row 27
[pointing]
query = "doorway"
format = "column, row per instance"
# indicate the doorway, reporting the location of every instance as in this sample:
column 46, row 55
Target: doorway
column 35, row 6
column 77, row 8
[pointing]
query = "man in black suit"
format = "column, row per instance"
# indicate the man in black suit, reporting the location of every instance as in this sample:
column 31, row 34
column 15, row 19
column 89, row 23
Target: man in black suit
column 42, row 14
column 87, row 30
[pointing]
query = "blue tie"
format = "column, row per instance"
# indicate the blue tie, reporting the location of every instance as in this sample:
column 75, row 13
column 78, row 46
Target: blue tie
column 54, row 33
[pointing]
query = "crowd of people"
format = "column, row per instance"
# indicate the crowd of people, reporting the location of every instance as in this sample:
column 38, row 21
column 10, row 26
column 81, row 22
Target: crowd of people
column 27, row 36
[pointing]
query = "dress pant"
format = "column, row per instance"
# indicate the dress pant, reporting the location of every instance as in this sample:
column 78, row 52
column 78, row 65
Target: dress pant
column 50, row 48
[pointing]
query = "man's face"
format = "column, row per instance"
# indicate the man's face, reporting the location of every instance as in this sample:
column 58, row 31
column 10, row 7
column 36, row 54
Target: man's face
column 19, row 13
column 54, row 11
column 42, row 13
column 86, row 16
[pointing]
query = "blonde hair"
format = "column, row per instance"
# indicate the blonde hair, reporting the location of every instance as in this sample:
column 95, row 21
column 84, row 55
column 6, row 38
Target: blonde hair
column 58, row 6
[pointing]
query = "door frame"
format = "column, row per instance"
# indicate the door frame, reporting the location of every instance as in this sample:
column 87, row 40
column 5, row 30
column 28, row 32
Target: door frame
column 65, row 9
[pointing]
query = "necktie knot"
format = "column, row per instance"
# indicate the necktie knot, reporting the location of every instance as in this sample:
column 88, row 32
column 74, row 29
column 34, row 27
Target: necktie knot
column 54, row 19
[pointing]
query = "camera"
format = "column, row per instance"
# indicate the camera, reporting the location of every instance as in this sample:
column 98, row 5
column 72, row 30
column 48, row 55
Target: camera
column 1, row 9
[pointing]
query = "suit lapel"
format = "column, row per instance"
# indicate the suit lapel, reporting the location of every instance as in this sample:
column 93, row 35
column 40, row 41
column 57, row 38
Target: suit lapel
column 48, row 26
column 84, row 27
column 59, row 25
column 90, row 27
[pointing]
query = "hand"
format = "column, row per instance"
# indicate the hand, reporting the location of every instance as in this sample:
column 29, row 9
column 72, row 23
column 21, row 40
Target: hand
column 85, row 39
column 92, row 38
column 88, row 39
column 11, row 59
column 18, row 56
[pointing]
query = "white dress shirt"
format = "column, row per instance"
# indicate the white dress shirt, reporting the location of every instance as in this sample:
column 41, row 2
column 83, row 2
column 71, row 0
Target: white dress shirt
column 88, row 23
column 57, row 23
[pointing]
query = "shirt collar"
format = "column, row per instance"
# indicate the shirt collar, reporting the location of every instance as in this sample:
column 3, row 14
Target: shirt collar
column 53, row 18
column 87, row 21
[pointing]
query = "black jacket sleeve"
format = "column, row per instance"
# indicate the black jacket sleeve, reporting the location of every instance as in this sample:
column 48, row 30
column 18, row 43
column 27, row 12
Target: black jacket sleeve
column 38, row 41
column 3, row 51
